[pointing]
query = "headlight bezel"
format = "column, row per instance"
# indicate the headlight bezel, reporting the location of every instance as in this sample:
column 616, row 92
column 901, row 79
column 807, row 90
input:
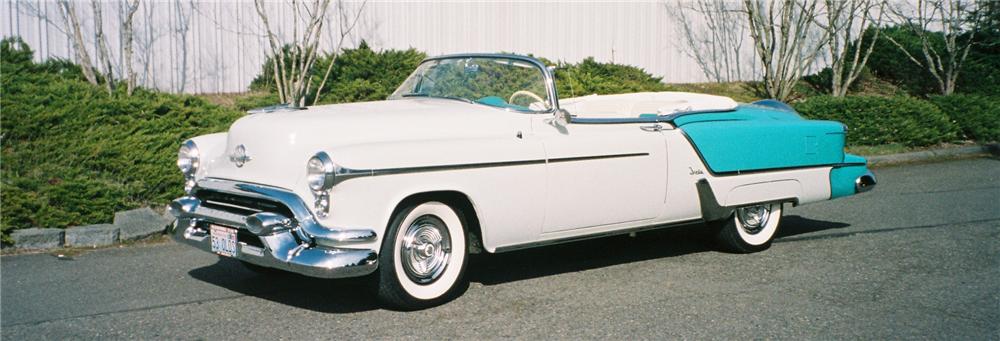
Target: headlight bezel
column 189, row 158
column 189, row 161
column 320, row 172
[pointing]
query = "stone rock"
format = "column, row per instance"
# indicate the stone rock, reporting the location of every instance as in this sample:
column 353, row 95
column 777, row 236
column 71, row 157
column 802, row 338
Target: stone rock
column 92, row 235
column 37, row 238
column 140, row 223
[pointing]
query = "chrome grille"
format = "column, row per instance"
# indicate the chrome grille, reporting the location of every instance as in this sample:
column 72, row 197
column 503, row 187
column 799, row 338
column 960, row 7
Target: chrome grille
column 241, row 205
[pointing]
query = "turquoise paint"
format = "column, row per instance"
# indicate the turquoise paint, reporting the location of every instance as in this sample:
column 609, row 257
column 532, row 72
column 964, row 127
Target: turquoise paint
column 842, row 178
column 499, row 102
column 757, row 138
column 744, row 112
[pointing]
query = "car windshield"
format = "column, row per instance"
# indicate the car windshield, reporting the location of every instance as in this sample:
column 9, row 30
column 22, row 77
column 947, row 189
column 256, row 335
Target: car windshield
column 502, row 82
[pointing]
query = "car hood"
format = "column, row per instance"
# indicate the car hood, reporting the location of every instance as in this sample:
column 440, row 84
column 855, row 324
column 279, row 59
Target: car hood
column 280, row 143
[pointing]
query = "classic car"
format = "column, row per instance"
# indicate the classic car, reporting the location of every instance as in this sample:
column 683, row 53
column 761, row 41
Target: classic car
column 477, row 153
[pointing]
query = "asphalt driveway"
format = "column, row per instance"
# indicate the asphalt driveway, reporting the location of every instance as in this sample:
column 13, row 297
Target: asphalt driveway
column 919, row 257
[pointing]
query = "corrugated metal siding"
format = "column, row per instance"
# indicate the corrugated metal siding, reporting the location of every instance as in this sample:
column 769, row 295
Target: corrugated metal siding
column 226, row 43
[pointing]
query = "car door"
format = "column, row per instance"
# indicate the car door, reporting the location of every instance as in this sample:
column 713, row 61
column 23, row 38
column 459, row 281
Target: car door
column 601, row 174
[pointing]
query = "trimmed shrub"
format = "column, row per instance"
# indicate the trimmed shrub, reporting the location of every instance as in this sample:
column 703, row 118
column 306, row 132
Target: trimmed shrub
column 73, row 155
column 593, row 77
column 978, row 116
column 359, row 74
column 883, row 120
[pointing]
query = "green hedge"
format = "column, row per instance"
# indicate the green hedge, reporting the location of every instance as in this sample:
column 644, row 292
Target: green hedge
column 978, row 116
column 875, row 120
column 980, row 73
column 73, row 155
column 359, row 74
column 592, row 77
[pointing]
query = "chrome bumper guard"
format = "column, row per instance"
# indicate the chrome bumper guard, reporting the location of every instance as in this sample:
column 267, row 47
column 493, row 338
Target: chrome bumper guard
column 298, row 244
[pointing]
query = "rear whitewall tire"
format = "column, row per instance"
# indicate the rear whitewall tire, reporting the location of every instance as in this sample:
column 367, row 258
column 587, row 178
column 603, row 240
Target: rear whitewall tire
column 426, row 281
column 735, row 235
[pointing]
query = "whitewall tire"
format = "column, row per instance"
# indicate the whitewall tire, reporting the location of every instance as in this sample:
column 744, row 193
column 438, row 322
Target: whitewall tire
column 751, row 228
column 423, row 258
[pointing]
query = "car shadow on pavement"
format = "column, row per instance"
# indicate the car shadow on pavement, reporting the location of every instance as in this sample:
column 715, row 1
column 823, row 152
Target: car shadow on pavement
column 490, row 269
column 355, row 294
column 315, row 294
column 793, row 225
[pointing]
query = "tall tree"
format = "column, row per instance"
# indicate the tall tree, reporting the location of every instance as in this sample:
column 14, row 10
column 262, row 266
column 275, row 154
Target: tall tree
column 941, row 53
column 846, row 24
column 128, row 33
column 345, row 28
column 786, row 41
column 75, row 34
column 292, row 69
column 103, row 55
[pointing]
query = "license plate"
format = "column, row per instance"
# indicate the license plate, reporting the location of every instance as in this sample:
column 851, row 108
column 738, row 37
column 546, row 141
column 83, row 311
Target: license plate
column 224, row 241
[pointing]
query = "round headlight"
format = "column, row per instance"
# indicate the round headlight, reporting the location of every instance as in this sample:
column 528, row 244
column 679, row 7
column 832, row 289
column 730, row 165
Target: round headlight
column 188, row 157
column 320, row 172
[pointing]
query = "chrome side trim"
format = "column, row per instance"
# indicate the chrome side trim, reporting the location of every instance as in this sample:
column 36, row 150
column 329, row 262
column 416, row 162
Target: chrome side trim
column 595, row 157
column 344, row 174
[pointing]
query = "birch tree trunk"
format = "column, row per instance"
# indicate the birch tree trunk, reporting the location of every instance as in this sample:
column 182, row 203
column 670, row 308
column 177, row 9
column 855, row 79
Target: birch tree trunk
column 345, row 29
column 73, row 32
column 129, row 37
column 785, row 40
column 849, row 53
column 292, row 72
column 103, row 56
column 956, row 18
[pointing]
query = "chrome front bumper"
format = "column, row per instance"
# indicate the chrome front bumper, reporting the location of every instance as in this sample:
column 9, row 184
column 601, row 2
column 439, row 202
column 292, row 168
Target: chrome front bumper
column 296, row 243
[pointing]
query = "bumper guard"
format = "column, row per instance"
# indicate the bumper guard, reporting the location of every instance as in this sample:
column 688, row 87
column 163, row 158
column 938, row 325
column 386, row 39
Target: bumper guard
column 298, row 244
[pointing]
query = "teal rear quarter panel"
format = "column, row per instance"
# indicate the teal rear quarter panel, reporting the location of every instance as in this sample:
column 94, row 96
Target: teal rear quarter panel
column 843, row 178
column 754, row 138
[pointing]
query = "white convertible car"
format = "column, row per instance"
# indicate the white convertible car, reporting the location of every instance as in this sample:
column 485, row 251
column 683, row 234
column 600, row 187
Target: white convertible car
column 476, row 153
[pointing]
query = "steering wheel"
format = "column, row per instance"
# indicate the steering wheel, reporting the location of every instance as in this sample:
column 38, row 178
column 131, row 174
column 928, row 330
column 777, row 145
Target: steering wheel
column 525, row 93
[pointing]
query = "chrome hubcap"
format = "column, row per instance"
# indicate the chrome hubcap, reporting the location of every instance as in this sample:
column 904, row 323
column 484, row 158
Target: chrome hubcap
column 426, row 249
column 753, row 218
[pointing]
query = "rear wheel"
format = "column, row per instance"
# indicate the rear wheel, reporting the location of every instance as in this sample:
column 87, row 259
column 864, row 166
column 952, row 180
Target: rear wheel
column 423, row 258
column 750, row 229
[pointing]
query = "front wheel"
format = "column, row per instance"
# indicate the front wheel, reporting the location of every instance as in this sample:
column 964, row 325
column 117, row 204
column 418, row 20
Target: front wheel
column 423, row 256
column 750, row 229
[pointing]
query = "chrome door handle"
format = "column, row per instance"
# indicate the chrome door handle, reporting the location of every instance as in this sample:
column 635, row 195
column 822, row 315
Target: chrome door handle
column 652, row 128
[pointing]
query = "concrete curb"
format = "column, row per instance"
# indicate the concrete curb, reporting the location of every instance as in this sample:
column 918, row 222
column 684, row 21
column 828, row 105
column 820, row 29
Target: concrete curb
column 925, row 155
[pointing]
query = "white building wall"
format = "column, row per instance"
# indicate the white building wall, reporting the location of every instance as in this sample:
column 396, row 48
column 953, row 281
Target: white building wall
column 226, row 44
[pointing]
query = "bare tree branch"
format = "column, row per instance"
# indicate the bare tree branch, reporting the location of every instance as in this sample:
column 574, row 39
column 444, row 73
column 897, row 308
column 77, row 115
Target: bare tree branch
column 129, row 35
column 713, row 32
column 957, row 19
column 292, row 73
column 73, row 25
column 849, row 54
column 786, row 40
column 344, row 31
column 103, row 56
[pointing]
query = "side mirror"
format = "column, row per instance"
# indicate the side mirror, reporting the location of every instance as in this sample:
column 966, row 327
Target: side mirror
column 562, row 117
